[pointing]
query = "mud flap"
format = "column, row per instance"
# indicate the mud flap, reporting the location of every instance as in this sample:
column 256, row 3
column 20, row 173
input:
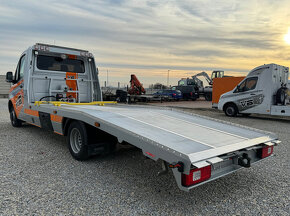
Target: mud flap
column 45, row 121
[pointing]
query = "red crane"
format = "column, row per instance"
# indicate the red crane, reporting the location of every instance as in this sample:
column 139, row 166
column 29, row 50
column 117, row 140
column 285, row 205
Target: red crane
column 136, row 87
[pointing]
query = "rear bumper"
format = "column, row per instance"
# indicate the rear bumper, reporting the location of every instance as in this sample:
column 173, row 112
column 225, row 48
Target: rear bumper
column 219, row 169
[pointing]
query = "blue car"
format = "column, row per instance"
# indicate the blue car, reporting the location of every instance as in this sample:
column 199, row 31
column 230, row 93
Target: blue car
column 169, row 94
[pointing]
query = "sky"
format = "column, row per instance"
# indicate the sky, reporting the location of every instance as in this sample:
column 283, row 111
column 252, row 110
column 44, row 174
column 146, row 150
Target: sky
column 150, row 37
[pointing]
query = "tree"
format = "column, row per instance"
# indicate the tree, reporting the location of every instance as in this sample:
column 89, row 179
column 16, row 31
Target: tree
column 158, row 86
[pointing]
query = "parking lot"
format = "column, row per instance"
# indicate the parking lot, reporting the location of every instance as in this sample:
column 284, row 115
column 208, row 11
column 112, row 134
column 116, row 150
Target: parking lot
column 38, row 176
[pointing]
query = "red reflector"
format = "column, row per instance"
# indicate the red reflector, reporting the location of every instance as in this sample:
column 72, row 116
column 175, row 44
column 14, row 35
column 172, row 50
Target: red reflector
column 267, row 151
column 196, row 176
column 150, row 154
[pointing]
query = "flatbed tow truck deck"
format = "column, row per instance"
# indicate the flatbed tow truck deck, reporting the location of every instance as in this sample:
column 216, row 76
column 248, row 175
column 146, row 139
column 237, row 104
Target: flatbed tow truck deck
column 57, row 89
column 169, row 135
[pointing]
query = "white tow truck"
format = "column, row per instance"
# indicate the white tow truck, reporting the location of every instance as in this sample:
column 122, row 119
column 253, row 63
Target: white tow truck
column 265, row 90
column 57, row 88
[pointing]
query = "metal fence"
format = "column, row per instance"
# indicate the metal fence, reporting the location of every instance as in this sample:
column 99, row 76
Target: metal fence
column 4, row 87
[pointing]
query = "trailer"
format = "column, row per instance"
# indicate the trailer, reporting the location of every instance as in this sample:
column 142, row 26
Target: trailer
column 57, row 88
column 146, row 98
column 265, row 90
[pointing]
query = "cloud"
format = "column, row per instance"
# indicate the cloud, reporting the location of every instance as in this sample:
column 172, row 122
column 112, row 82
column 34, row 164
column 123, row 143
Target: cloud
column 152, row 35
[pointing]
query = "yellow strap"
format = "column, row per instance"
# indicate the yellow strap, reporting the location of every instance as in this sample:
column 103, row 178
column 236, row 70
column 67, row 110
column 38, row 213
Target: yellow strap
column 59, row 103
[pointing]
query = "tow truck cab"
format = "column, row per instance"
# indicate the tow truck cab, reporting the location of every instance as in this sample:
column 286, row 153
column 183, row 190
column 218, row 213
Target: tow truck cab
column 52, row 73
column 263, row 91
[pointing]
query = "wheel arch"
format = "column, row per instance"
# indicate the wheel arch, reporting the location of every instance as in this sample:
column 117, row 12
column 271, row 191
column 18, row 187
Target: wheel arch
column 65, row 125
column 229, row 103
column 10, row 105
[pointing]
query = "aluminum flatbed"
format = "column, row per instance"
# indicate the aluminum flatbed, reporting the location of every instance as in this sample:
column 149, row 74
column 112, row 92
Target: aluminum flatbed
column 167, row 134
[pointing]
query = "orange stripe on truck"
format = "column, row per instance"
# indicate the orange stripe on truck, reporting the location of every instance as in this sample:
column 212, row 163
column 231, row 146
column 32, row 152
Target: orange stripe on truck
column 15, row 85
column 56, row 118
column 31, row 112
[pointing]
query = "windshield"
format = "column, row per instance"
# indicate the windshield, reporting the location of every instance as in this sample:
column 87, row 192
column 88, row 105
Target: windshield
column 55, row 63
column 181, row 82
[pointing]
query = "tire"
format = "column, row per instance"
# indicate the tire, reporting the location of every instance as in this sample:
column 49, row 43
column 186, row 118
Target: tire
column 14, row 120
column 281, row 96
column 208, row 97
column 77, row 140
column 231, row 110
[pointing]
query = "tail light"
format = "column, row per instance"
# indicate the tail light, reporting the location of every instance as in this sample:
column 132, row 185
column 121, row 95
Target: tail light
column 190, row 93
column 72, row 56
column 265, row 151
column 174, row 94
column 196, row 176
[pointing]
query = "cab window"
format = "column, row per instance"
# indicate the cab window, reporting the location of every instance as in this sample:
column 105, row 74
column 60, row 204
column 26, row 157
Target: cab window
column 251, row 83
column 181, row 83
column 190, row 82
column 19, row 73
column 247, row 85
column 57, row 63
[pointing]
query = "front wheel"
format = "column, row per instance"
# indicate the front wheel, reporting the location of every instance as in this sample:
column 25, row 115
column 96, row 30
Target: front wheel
column 231, row 110
column 14, row 120
column 77, row 140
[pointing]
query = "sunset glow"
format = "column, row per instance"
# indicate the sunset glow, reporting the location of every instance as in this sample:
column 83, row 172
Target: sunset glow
column 287, row 37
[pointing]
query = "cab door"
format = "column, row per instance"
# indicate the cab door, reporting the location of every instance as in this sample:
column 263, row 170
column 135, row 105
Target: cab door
column 248, row 96
column 16, row 91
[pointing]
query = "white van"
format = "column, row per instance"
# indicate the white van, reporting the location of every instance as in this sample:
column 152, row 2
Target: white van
column 263, row 91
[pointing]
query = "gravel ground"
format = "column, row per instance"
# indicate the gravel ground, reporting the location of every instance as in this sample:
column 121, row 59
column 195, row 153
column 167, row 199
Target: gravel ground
column 39, row 177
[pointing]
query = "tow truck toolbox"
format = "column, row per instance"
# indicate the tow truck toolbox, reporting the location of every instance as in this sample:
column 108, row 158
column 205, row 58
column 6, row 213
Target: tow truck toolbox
column 57, row 88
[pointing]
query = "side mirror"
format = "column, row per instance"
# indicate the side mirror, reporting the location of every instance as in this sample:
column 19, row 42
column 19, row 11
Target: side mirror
column 237, row 89
column 9, row 77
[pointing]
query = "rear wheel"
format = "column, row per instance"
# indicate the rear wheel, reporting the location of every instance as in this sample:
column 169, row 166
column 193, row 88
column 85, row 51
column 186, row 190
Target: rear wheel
column 77, row 140
column 193, row 97
column 231, row 110
column 14, row 120
column 85, row 141
column 281, row 96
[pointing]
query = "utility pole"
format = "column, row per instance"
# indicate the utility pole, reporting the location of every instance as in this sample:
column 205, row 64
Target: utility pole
column 168, row 78
column 107, row 77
